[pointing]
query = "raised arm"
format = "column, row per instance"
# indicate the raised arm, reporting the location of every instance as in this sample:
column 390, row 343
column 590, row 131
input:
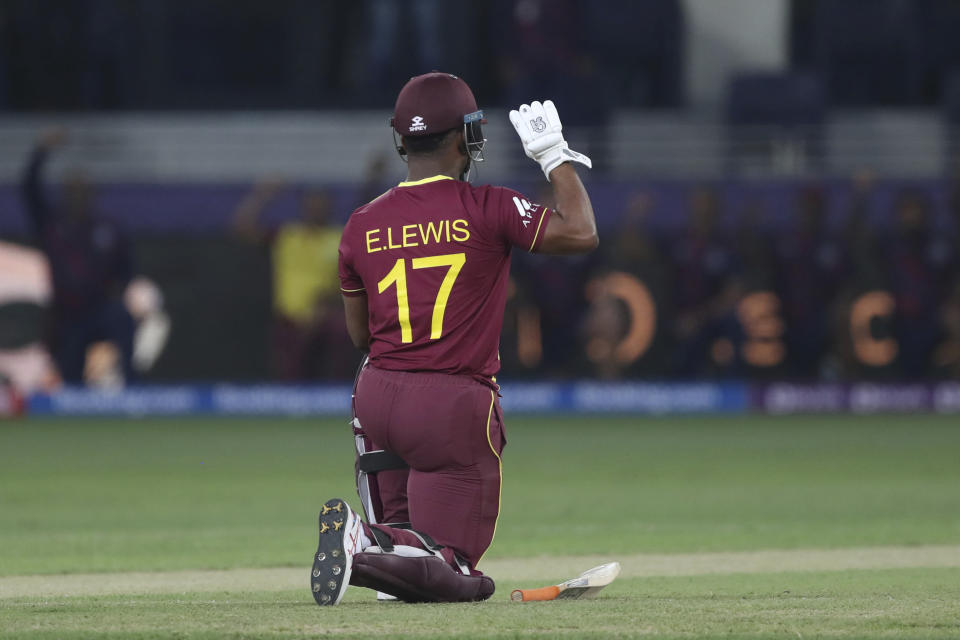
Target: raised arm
column 31, row 184
column 246, row 217
column 572, row 228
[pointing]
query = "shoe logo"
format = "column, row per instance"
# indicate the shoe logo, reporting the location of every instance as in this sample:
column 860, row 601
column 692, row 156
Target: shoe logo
column 353, row 535
column 417, row 124
column 525, row 209
column 538, row 125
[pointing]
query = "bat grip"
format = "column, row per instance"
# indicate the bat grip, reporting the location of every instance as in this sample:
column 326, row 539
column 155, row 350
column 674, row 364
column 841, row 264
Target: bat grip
column 543, row 593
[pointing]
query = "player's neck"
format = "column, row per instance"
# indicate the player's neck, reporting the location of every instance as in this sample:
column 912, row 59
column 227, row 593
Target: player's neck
column 421, row 168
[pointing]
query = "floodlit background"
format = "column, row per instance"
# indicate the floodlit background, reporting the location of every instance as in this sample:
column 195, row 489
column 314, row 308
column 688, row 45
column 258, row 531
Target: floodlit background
column 777, row 185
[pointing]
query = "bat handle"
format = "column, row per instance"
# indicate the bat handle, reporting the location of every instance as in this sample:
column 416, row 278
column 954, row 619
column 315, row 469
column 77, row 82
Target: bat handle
column 543, row 593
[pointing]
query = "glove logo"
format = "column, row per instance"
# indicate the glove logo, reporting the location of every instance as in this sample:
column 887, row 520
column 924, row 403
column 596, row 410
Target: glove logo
column 417, row 124
column 540, row 131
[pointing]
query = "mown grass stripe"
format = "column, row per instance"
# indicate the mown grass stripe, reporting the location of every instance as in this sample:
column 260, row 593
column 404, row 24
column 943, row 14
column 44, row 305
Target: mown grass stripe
column 546, row 569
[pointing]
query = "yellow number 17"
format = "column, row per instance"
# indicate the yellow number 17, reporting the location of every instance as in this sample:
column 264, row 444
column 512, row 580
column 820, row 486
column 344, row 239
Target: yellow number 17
column 398, row 275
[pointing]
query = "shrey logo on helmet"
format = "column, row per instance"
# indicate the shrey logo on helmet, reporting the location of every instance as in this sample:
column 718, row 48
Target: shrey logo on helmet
column 417, row 124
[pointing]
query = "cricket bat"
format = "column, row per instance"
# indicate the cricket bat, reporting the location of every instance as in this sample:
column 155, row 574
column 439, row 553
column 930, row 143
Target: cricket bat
column 586, row 585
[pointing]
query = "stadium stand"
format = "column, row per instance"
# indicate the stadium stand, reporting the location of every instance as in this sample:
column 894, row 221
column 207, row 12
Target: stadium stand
column 771, row 208
column 869, row 51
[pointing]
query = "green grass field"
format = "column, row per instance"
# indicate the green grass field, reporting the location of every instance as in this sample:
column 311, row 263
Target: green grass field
column 735, row 527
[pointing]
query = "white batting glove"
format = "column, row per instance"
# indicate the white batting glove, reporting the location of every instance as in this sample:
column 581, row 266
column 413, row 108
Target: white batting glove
column 541, row 133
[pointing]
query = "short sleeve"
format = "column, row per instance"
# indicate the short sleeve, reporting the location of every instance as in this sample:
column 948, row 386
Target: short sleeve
column 350, row 282
column 519, row 221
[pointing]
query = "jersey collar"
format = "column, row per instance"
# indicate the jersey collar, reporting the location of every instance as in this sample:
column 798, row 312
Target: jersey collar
column 414, row 183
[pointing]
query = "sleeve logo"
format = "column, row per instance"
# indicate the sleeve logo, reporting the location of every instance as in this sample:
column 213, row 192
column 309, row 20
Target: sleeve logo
column 525, row 209
column 417, row 124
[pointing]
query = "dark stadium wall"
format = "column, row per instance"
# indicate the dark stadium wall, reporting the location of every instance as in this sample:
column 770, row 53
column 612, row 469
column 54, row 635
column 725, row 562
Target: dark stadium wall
column 217, row 293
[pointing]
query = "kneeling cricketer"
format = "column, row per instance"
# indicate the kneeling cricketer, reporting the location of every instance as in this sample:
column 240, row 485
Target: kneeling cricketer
column 423, row 273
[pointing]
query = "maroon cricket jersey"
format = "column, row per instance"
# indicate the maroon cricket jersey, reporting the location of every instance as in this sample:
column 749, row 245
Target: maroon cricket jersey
column 433, row 258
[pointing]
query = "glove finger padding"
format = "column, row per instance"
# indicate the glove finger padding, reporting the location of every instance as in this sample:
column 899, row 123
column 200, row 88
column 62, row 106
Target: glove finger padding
column 522, row 130
column 552, row 114
column 518, row 125
column 541, row 132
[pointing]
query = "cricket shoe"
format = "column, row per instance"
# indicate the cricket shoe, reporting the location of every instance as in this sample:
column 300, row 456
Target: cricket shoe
column 340, row 535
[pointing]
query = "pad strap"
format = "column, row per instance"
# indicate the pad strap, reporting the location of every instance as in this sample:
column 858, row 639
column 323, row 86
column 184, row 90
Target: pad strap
column 380, row 460
column 427, row 541
column 382, row 539
column 432, row 546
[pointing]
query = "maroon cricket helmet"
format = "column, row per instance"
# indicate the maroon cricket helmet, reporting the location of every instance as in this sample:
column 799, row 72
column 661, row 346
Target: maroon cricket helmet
column 433, row 103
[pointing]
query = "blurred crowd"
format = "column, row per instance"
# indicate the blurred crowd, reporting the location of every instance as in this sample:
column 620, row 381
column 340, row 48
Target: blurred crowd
column 831, row 293
column 74, row 310
column 832, row 281
column 826, row 290
column 825, row 281
column 308, row 332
